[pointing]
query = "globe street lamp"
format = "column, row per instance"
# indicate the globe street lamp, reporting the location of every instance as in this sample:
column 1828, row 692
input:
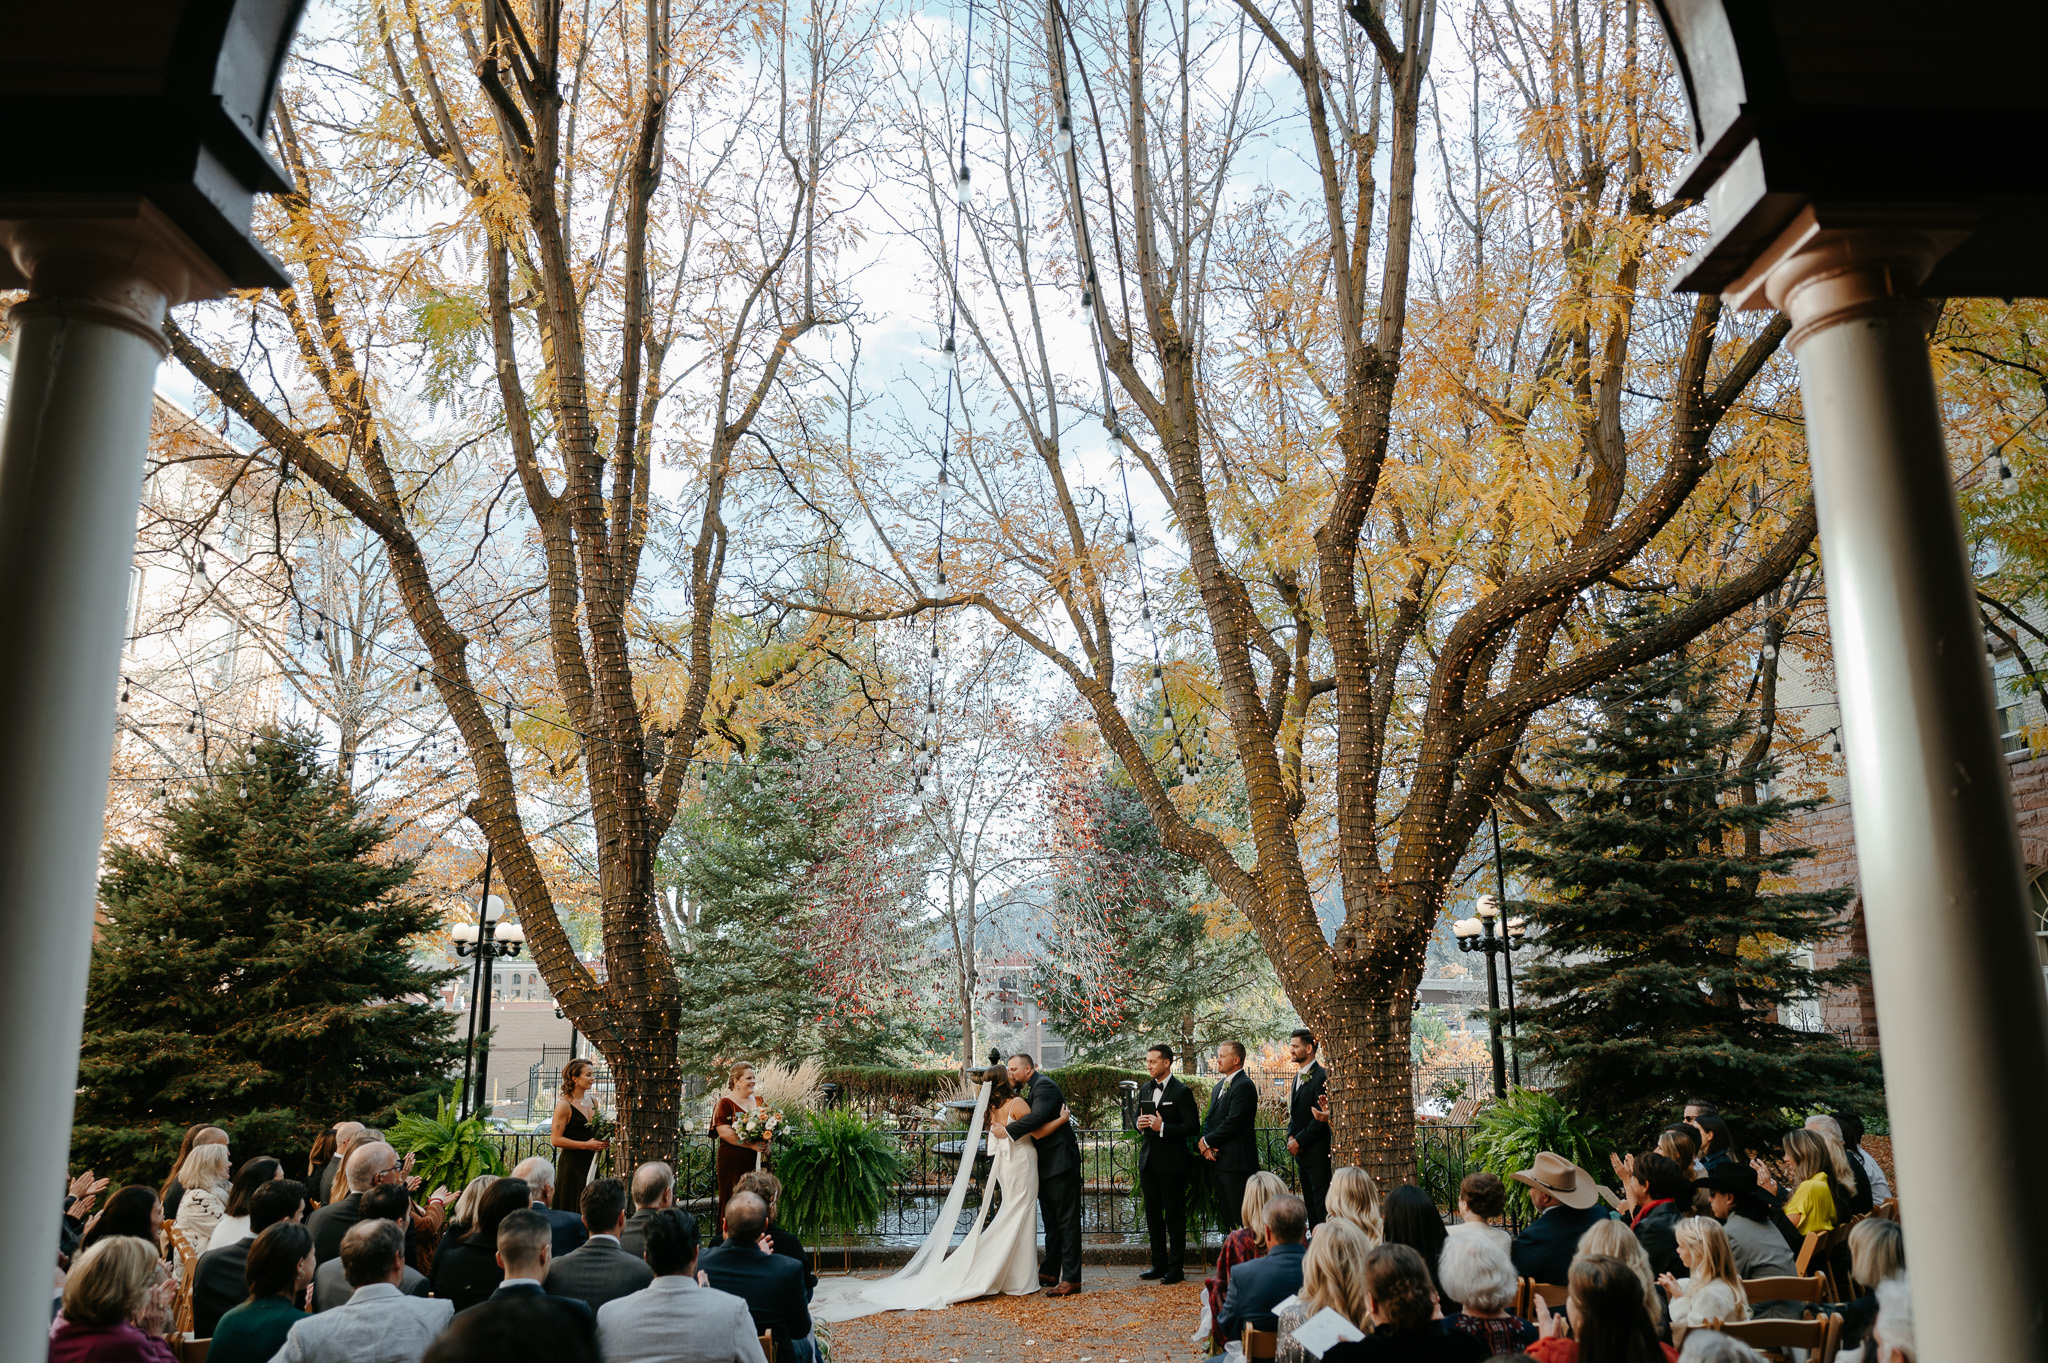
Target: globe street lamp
column 1490, row 937
column 485, row 942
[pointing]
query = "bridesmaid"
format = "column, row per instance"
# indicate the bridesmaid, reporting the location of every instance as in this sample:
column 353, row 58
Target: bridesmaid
column 571, row 1134
column 735, row 1157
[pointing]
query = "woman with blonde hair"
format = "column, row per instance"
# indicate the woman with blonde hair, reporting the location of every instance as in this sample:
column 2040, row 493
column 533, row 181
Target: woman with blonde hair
column 1333, row 1276
column 1877, row 1254
column 1712, row 1289
column 1244, row 1243
column 1820, row 1193
column 1355, row 1197
column 117, row 1305
column 1613, row 1239
column 204, row 1176
column 573, row 1133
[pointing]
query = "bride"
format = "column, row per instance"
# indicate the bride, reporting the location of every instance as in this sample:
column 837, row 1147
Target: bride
column 998, row 1256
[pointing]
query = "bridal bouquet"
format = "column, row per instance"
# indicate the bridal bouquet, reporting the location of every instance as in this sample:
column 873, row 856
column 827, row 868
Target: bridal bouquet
column 759, row 1125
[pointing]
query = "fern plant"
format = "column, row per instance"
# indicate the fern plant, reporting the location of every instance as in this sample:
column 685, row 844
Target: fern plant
column 1509, row 1134
column 447, row 1153
column 837, row 1169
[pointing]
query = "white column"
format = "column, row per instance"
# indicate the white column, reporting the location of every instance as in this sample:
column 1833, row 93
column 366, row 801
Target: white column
column 1959, row 991
column 88, row 340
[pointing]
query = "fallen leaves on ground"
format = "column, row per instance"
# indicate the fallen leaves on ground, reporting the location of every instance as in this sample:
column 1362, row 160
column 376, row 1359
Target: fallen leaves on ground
column 1115, row 1319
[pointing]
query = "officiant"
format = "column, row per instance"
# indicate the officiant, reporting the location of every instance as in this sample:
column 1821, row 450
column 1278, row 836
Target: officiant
column 1166, row 1119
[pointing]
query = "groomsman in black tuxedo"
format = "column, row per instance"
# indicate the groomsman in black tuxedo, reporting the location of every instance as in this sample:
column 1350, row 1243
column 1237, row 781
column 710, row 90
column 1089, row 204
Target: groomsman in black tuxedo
column 1229, row 1141
column 1166, row 1118
column 1308, row 1139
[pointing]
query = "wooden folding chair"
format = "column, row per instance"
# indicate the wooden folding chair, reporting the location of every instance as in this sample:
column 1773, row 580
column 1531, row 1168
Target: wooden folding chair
column 1820, row 1337
column 1528, row 1290
column 1816, row 1253
column 188, row 1266
column 190, row 1350
column 768, row 1345
column 1261, row 1343
column 1887, row 1210
column 1811, row 1288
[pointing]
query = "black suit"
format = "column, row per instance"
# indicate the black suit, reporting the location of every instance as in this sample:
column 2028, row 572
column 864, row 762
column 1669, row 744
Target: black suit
column 579, row 1316
column 1163, row 1161
column 465, row 1272
column 1059, row 1179
column 332, row 1222
column 772, row 1285
column 1546, row 1246
column 218, row 1285
column 1229, row 1128
column 1311, row 1138
column 1257, row 1286
column 569, row 1230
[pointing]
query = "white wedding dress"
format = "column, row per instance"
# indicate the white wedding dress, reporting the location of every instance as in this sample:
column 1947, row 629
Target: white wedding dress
column 998, row 1256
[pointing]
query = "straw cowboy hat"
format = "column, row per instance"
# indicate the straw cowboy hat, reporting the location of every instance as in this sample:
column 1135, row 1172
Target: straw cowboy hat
column 1562, row 1179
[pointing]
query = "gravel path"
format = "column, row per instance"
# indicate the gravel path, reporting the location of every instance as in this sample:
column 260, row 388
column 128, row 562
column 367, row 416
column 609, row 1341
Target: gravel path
column 1115, row 1319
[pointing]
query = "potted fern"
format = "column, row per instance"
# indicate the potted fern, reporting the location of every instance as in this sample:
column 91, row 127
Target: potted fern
column 1508, row 1135
column 447, row 1152
column 837, row 1170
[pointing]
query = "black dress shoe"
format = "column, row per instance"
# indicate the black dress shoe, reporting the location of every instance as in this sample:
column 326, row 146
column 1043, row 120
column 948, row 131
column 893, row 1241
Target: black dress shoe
column 1149, row 1274
column 1172, row 1276
column 1048, row 1279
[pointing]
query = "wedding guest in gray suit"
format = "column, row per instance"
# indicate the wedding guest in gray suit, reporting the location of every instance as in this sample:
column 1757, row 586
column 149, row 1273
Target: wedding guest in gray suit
column 379, row 1324
column 600, row 1271
column 676, row 1318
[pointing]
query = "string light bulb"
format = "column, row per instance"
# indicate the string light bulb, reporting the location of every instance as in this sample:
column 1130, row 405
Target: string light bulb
column 1063, row 135
column 952, row 357
column 963, row 185
column 2008, row 482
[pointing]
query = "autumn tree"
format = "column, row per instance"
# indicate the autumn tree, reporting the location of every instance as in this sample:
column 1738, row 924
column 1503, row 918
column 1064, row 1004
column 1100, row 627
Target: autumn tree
column 600, row 232
column 1393, row 488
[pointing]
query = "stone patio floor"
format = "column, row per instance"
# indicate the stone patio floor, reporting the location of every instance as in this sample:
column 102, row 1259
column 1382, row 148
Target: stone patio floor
column 1115, row 1319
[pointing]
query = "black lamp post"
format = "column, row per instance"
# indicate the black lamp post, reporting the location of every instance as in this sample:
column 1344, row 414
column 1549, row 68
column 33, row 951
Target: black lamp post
column 128, row 189
column 1858, row 162
column 487, row 943
column 1490, row 937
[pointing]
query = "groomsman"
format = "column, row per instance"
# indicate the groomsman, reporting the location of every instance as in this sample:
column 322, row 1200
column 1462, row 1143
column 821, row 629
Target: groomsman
column 1166, row 1118
column 1229, row 1141
column 1308, row 1140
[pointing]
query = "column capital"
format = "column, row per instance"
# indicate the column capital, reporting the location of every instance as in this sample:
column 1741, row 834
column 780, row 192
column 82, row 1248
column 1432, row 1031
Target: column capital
column 1819, row 276
column 116, row 260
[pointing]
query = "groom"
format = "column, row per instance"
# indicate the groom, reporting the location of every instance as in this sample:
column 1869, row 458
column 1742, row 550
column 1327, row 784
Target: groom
column 1059, row 1176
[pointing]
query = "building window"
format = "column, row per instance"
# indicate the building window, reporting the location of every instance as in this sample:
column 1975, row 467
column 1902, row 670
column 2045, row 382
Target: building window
column 2037, row 900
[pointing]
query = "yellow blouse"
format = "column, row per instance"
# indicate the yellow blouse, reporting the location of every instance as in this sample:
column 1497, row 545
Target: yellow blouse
column 1811, row 1206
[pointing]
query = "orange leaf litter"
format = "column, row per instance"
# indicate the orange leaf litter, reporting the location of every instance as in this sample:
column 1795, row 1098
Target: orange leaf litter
column 1115, row 1319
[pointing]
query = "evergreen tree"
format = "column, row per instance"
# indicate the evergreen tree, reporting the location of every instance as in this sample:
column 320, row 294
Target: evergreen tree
column 1144, row 950
column 252, row 971
column 1665, row 960
column 762, row 944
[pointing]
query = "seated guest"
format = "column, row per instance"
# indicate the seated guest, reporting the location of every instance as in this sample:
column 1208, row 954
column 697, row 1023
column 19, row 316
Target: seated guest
column 1681, row 1145
column 519, row 1326
column 369, row 1164
column 1844, row 1169
column 1355, row 1197
column 1891, row 1337
column 1413, row 1220
column 1478, row 1275
column 204, row 1180
column 117, row 1302
column 1332, row 1276
column 1567, row 1203
column 1660, row 1190
column 654, row 1190
column 135, row 1211
column 234, row 1225
column 771, row 1285
column 1760, row 1250
column 172, row 1193
column 462, row 1216
column 1402, row 1306
column 1814, row 1201
column 568, row 1225
column 1712, row 1289
column 1870, row 1172
column 769, row 1189
column 598, row 1270
column 280, row 1265
column 466, row 1271
column 220, row 1279
column 1608, row 1322
column 1711, row 1346
column 675, row 1319
column 1613, row 1240
column 1257, row 1287
column 525, row 1250
column 1482, row 1200
column 386, row 1202
column 1877, row 1254
column 1246, row 1242
column 378, row 1323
